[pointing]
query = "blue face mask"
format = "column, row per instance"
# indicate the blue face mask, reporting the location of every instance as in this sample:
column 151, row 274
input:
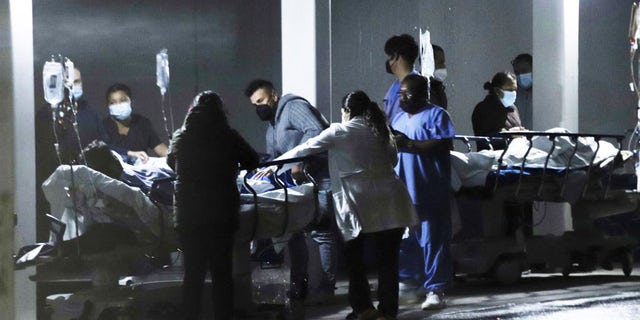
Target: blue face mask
column 77, row 92
column 525, row 80
column 120, row 111
column 508, row 98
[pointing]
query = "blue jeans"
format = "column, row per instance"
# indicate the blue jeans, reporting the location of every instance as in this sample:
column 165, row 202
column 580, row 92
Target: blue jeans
column 323, row 234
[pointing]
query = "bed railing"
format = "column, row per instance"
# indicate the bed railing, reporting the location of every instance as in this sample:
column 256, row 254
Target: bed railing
column 279, row 164
column 509, row 136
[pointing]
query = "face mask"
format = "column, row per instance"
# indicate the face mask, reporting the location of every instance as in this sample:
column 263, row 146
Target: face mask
column 120, row 111
column 410, row 106
column 264, row 112
column 76, row 91
column 508, row 99
column 525, row 80
column 440, row 74
column 387, row 67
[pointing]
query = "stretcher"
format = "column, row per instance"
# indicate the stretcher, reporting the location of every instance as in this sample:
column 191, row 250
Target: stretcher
column 495, row 189
column 142, row 277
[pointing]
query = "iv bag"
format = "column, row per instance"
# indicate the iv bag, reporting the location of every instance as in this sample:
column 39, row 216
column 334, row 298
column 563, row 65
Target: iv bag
column 70, row 74
column 52, row 81
column 427, row 63
column 162, row 70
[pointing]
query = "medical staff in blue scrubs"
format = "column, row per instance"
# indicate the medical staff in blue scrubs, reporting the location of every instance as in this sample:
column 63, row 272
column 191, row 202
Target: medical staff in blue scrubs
column 423, row 135
column 402, row 52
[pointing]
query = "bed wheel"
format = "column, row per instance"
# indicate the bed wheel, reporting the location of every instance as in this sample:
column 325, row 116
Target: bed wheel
column 627, row 262
column 507, row 271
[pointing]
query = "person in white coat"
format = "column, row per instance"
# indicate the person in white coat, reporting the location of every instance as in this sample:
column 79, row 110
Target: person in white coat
column 371, row 202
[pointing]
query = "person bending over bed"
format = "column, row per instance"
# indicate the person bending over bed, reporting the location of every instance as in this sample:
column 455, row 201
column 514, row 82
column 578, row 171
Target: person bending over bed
column 205, row 153
column 131, row 135
column 497, row 112
column 371, row 203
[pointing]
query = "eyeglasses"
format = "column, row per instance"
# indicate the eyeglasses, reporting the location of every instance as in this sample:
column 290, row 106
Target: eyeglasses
column 404, row 95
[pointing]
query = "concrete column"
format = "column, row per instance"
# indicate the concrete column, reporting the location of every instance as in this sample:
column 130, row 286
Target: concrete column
column 7, row 296
column 23, row 115
column 555, row 55
column 555, row 94
column 299, row 48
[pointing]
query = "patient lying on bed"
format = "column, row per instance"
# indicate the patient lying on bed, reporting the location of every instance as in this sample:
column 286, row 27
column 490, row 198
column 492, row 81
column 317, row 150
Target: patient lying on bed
column 471, row 169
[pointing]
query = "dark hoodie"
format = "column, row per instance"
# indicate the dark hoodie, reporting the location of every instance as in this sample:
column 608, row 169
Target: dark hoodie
column 206, row 154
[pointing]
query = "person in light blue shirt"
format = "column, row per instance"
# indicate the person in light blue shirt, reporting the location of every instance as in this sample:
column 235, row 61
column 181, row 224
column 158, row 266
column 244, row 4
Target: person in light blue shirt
column 402, row 51
column 423, row 135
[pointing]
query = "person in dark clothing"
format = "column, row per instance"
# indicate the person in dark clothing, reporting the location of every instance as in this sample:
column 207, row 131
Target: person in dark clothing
column 497, row 112
column 523, row 67
column 206, row 154
column 131, row 135
column 437, row 95
column 89, row 128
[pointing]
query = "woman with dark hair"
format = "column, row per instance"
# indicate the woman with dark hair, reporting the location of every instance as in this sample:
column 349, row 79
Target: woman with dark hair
column 206, row 155
column 371, row 202
column 497, row 112
column 131, row 134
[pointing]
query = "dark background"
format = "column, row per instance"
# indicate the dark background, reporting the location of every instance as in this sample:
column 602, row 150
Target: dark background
column 217, row 45
column 221, row 45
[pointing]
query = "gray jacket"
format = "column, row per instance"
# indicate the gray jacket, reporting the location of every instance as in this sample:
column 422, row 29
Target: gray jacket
column 296, row 121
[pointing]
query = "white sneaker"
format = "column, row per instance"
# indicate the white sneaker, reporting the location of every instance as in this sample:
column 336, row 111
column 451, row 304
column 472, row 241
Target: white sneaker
column 434, row 301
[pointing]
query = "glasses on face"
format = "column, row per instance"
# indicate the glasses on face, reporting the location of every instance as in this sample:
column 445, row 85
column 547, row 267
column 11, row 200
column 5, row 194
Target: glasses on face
column 404, row 95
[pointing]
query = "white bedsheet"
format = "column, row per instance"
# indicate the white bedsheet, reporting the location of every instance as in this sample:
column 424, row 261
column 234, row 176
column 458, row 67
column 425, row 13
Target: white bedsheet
column 100, row 199
column 471, row 169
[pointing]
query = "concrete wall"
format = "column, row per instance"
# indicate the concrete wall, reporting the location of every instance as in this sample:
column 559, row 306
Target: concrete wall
column 218, row 45
column 606, row 103
column 480, row 38
column 7, row 296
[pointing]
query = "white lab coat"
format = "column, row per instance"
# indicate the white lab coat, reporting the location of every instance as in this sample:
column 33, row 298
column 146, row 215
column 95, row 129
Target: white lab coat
column 368, row 197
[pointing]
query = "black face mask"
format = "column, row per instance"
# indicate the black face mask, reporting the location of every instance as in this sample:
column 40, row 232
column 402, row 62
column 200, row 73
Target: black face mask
column 387, row 66
column 264, row 112
column 411, row 106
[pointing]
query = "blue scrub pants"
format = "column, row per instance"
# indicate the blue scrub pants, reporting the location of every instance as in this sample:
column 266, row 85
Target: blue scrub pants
column 433, row 238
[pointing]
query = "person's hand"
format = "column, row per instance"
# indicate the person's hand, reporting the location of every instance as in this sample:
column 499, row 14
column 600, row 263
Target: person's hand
column 401, row 139
column 264, row 172
column 297, row 174
column 143, row 156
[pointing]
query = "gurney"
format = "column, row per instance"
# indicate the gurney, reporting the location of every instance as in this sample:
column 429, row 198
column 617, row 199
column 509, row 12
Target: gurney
column 587, row 171
column 82, row 198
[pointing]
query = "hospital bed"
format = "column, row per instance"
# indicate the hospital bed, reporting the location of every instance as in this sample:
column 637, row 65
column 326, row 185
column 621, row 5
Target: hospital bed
column 142, row 278
column 493, row 188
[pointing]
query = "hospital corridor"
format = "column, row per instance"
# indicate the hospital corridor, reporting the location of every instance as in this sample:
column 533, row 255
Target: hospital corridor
column 319, row 159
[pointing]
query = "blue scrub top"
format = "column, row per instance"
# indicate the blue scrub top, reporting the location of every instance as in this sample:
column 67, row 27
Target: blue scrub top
column 427, row 175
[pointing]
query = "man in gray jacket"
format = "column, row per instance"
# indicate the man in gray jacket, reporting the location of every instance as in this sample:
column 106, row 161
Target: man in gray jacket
column 292, row 121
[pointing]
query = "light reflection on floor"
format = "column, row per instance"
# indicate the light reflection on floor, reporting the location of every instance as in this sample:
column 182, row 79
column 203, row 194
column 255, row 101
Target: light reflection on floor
column 619, row 306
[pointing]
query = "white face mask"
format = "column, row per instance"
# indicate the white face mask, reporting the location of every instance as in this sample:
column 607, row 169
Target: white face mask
column 440, row 74
column 120, row 111
column 76, row 91
column 508, row 98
